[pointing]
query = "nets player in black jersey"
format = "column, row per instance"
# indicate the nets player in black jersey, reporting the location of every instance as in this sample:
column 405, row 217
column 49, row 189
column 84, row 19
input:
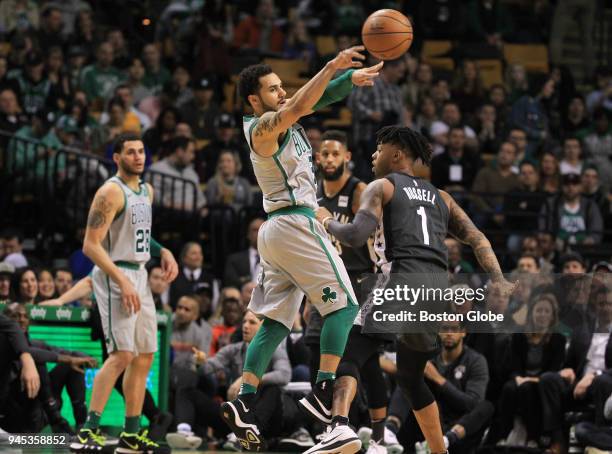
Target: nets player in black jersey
column 340, row 192
column 416, row 218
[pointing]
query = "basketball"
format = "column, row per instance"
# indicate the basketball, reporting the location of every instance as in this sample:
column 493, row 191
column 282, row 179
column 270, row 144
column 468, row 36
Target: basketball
column 387, row 34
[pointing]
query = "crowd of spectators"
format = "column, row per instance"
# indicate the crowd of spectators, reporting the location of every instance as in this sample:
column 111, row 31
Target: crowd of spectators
column 529, row 158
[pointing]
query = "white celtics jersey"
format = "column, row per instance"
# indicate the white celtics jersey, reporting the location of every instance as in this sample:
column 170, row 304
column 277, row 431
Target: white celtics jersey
column 129, row 234
column 287, row 177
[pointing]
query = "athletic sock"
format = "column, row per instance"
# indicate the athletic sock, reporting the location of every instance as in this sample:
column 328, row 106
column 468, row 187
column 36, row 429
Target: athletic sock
column 322, row 376
column 392, row 426
column 452, row 437
column 132, row 424
column 378, row 430
column 93, row 420
column 339, row 421
column 247, row 393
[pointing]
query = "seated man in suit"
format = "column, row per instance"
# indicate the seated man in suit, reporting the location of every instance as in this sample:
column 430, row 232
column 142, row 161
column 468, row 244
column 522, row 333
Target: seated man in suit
column 243, row 266
column 587, row 376
column 192, row 278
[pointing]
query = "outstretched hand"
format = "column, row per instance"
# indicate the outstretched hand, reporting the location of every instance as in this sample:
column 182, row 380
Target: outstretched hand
column 344, row 60
column 365, row 77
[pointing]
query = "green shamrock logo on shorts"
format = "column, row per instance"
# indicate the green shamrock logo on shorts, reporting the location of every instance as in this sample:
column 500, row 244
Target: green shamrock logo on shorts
column 328, row 295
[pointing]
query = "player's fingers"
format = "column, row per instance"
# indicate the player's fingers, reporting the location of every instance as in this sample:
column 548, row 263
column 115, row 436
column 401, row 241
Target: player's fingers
column 376, row 67
column 358, row 55
column 357, row 48
column 356, row 64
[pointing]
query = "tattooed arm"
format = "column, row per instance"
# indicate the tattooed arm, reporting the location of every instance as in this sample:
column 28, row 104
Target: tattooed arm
column 461, row 227
column 373, row 198
column 107, row 202
column 271, row 125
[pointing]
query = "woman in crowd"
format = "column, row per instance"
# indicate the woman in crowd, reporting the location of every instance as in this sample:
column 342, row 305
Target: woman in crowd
column 26, row 286
column 46, row 284
column 226, row 187
column 550, row 176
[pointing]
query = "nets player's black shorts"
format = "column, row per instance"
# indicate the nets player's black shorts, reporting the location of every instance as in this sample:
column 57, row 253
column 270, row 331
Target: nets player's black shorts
column 429, row 275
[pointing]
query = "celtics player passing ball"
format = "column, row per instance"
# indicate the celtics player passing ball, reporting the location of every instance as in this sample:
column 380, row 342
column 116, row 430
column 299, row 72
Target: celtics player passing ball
column 297, row 257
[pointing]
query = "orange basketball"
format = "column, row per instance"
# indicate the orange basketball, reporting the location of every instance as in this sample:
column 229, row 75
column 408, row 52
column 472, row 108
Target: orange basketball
column 387, row 34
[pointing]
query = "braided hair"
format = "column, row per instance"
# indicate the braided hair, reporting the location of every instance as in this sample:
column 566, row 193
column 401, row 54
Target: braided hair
column 412, row 143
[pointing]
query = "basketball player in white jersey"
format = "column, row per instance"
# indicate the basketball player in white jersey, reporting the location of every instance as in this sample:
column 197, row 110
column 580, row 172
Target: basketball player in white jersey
column 118, row 241
column 296, row 255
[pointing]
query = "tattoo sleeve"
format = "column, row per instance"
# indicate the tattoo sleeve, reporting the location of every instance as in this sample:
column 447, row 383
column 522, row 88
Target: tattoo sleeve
column 100, row 210
column 267, row 124
column 372, row 198
column 462, row 228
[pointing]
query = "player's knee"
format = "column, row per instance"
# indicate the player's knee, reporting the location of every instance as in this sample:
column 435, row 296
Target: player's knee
column 120, row 360
column 145, row 359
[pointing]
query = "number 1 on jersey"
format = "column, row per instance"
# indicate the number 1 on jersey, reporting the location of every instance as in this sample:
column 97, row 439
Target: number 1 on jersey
column 421, row 212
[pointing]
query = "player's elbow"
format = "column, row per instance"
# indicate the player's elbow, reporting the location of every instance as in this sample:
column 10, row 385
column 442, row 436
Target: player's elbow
column 88, row 248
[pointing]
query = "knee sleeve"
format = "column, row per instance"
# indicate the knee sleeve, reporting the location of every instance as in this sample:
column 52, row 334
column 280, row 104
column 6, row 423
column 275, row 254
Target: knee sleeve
column 336, row 327
column 411, row 367
column 348, row 369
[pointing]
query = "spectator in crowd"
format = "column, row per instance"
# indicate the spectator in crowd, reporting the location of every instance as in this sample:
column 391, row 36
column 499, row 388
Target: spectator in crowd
column 458, row 378
column 164, row 130
column 571, row 161
column 178, row 91
column 54, row 68
column 62, row 278
column 451, row 116
column 34, row 90
column 519, row 138
column 135, row 119
column 68, row 373
column 20, row 387
column 245, row 293
column 18, row 15
column 242, row 267
column 192, row 277
column 160, row 289
column 135, row 77
column 537, row 350
column 157, row 75
column 226, row 138
column 497, row 180
column 25, row 286
column 461, row 271
column 498, row 97
column 120, row 121
column 487, row 129
column 530, row 113
column 121, row 51
column 299, row 45
column 226, row 187
column 49, row 32
column 440, row 92
column 598, row 144
column 187, row 334
column 522, row 206
column 232, row 313
column 13, row 248
column 440, row 20
column 575, row 122
column 46, row 284
column 593, row 189
column 488, row 21
column 314, row 134
column 600, row 97
column 572, row 218
column 99, row 79
column 86, row 33
column 11, row 116
column 175, row 192
column 214, row 34
column 6, row 275
column 545, row 248
column 550, row 175
column 202, row 110
column 373, row 108
column 420, row 87
column 259, row 32
column 455, row 169
column 582, row 378
column 517, row 82
column 426, row 115
column 468, row 88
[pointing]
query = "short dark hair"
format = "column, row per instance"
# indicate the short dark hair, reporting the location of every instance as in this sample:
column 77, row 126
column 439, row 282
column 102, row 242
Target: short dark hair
column 412, row 143
column 122, row 139
column 178, row 143
column 459, row 127
column 248, row 80
column 527, row 162
column 529, row 255
column 60, row 269
column 337, row 135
